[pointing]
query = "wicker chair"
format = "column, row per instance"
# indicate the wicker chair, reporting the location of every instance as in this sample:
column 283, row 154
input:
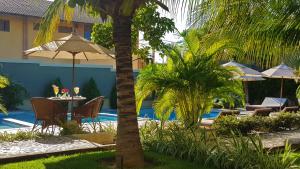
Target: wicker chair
column 48, row 112
column 90, row 109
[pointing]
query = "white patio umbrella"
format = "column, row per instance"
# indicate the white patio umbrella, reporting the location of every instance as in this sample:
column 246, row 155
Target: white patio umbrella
column 73, row 47
column 282, row 72
column 245, row 74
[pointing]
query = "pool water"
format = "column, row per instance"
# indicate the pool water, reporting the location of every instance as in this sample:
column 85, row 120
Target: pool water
column 105, row 115
column 8, row 125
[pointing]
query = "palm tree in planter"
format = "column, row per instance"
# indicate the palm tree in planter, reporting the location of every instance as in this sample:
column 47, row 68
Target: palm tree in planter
column 129, row 149
column 188, row 83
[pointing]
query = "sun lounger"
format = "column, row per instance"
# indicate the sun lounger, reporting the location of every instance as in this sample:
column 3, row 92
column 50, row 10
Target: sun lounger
column 223, row 112
column 262, row 112
column 269, row 102
column 227, row 112
column 293, row 109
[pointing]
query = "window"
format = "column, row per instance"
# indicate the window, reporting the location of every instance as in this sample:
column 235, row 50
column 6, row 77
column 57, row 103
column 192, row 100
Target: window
column 65, row 29
column 36, row 26
column 4, row 25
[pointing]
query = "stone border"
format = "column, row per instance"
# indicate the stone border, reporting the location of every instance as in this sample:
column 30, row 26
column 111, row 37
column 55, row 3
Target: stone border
column 58, row 153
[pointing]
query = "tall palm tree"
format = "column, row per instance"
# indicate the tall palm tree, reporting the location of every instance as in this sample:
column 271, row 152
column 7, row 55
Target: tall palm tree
column 129, row 149
column 188, row 83
column 268, row 31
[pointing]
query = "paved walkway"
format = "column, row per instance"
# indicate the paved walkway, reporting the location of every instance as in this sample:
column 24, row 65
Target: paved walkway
column 45, row 146
column 278, row 139
column 62, row 144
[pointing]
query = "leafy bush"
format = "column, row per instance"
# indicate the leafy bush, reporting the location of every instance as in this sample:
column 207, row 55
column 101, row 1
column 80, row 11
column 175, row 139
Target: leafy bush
column 201, row 147
column 90, row 90
column 285, row 121
column 113, row 97
column 13, row 95
column 71, row 127
column 49, row 89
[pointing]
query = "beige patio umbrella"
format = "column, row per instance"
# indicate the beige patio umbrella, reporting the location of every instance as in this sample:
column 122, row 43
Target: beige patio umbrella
column 245, row 74
column 73, row 47
column 282, row 72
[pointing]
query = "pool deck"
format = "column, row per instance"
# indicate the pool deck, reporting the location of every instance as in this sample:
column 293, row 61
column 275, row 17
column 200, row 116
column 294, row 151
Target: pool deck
column 45, row 147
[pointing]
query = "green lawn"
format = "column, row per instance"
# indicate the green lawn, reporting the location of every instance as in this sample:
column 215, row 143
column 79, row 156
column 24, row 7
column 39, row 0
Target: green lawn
column 297, row 154
column 92, row 161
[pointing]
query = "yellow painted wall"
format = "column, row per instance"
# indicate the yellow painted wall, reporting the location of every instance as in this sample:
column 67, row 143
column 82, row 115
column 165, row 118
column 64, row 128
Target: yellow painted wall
column 11, row 45
column 21, row 27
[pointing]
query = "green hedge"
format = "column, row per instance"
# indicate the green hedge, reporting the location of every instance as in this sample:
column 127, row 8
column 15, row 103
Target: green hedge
column 90, row 90
column 245, row 125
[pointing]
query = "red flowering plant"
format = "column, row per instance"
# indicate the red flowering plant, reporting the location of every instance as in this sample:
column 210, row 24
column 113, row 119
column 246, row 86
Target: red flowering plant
column 64, row 91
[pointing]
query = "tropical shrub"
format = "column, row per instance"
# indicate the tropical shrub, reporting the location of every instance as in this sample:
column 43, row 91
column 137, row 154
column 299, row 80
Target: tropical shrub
column 49, row 89
column 200, row 146
column 90, row 90
column 20, row 136
column 4, row 82
column 113, row 97
column 189, row 82
column 13, row 95
column 285, row 121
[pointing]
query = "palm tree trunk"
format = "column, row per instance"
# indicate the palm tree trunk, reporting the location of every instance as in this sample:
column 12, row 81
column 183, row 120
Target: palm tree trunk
column 129, row 149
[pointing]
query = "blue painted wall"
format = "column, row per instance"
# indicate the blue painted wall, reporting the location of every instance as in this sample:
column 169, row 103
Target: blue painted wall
column 35, row 76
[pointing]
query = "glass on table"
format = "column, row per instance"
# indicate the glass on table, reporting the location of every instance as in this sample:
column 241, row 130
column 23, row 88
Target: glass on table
column 76, row 90
column 55, row 90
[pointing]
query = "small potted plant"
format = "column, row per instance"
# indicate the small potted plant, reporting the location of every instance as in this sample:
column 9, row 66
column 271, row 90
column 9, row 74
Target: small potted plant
column 65, row 92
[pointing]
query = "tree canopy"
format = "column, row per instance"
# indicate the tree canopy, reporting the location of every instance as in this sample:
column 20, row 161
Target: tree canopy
column 146, row 19
column 267, row 32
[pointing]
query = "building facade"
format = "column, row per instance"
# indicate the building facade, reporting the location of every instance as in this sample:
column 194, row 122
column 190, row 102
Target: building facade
column 19, row 25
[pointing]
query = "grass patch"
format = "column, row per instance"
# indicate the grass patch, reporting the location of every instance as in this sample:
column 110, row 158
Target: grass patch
column 93, row 161
column 297, row 155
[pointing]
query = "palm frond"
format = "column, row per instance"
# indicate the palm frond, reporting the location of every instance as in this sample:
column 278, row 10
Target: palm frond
column 50, row 22
column 268, row 31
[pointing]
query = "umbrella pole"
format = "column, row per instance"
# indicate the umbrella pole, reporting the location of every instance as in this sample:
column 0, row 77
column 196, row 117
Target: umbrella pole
column 246, row 92
column 281, row 89
column 281, row 92
column 73, row 83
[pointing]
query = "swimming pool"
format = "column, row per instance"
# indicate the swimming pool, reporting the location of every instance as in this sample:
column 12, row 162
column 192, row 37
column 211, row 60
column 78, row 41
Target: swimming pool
column 106, row 115
column 8, row 125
